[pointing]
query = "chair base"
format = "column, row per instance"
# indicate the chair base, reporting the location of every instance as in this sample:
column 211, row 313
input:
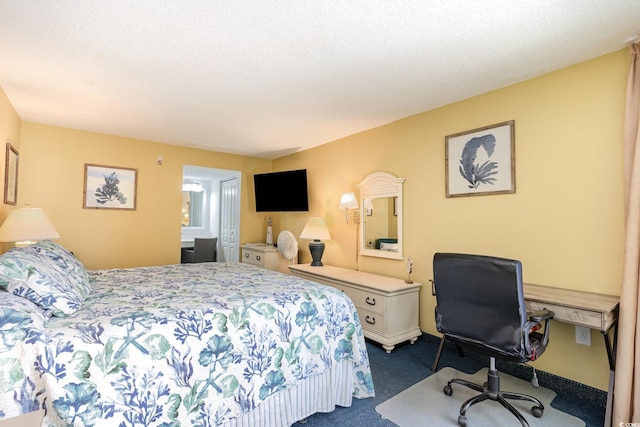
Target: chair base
column 491, row 390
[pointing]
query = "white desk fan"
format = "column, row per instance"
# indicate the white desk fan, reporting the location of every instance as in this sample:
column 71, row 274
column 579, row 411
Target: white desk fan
column 287, row 245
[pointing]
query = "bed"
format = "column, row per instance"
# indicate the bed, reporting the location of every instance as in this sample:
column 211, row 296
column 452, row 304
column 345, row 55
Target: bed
column 210, row 344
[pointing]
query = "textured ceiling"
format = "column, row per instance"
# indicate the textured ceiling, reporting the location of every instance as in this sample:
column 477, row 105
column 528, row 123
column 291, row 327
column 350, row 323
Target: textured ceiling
column 268, row 78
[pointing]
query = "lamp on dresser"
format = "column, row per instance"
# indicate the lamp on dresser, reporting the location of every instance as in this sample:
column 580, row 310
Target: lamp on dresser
column 316, row 230
column 25, row 226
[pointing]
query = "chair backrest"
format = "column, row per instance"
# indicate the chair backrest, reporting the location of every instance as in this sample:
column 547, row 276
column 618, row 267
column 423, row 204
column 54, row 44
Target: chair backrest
column 205, row 249
column 480, row 302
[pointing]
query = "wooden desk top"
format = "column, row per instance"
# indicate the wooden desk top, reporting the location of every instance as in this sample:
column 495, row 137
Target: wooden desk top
column 596, row 311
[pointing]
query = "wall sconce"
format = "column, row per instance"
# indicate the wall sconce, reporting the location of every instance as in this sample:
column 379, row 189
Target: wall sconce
column 316, row 230
column 348, row 201
column 25, row 226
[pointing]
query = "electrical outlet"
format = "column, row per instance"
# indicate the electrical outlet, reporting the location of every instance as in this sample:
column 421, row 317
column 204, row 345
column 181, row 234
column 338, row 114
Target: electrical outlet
column 583, row 335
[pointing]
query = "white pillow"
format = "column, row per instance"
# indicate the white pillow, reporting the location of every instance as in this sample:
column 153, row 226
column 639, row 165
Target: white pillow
column 26, row 273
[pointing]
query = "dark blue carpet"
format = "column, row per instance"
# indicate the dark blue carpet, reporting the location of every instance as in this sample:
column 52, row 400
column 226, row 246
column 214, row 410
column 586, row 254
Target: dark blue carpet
column 409, row 364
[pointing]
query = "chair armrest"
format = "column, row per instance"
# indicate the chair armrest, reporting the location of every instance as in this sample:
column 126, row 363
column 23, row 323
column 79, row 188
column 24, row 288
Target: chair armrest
column 541, row 315
column 534, row 324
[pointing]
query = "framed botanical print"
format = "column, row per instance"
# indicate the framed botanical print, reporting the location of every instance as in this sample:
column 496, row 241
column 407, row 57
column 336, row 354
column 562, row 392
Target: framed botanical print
column 109, row 187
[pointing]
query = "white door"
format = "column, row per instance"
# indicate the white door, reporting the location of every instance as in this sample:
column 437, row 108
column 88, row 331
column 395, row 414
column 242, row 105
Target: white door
column 229, row 221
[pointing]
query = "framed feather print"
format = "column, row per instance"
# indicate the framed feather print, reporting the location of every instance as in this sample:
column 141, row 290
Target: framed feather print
column 481, row 161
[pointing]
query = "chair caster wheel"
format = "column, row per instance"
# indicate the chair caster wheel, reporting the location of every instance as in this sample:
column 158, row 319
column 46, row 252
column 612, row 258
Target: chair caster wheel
column 537, row 411
column 447, row 390
column 462, row 421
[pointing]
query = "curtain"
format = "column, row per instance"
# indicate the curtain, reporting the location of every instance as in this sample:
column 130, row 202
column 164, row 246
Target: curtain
column 626, row 403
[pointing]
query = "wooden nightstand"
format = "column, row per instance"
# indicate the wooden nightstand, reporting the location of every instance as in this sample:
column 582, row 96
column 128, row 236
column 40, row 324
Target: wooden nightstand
column 266, row 256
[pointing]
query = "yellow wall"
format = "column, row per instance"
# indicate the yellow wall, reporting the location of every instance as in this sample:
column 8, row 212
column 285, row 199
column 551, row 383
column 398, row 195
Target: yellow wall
column 51, row 176
column 565, row 221
column 10, row 125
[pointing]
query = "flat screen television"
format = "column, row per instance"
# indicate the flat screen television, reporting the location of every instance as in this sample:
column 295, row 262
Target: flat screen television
column 281, row 191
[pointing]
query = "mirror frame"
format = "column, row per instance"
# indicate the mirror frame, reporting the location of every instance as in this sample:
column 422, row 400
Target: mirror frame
column 377, row 185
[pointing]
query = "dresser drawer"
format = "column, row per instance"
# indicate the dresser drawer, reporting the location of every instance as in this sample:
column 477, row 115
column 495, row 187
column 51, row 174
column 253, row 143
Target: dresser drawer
column 265, row 256
column 366, row 300
column 253, row 257
column 371, row 321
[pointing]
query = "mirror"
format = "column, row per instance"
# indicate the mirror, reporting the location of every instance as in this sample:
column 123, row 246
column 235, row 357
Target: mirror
column 381, row 216
column 192, row 204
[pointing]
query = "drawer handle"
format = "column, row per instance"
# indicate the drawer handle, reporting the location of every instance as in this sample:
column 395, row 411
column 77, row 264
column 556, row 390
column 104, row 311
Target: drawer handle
column 370, row 320
column 258, row 257
column 370, row 301
column 246, row 255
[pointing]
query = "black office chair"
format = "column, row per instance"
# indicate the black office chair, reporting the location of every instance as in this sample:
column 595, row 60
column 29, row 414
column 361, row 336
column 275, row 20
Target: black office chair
column 204, row 250
column 480, row 305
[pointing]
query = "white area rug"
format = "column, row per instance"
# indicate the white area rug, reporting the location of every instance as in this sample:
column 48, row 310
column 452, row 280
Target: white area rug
column 424, row 404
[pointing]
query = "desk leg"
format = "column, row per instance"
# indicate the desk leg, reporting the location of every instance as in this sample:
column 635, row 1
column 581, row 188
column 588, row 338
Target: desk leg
column 611, row 349
column 611, row 355
column 434, row 367
column 609, row 413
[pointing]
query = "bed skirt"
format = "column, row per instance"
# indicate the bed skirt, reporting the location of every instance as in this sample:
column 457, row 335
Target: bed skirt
column 320, row 393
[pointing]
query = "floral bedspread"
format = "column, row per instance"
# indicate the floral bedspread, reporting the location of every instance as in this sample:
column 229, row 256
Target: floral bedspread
column 189, row 344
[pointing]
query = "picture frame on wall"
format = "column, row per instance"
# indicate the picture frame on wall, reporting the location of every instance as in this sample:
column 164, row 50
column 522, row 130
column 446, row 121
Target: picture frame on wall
column 481, row 161
column 109, row 187
column 11, row 175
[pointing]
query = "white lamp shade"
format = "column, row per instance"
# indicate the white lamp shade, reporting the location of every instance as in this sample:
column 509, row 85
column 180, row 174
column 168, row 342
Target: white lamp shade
column 27, row 224
column 316, row 229
column 348, row 201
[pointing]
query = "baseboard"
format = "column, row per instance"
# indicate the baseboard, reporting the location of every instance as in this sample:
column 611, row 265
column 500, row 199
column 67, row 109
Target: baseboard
column 590, row 395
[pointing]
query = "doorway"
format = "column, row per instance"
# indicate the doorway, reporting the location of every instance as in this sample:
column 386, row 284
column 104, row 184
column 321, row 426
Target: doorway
column 211, row 208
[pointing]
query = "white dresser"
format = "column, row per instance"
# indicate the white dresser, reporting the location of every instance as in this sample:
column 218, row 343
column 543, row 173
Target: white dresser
column 266, row 256
column 388, row 307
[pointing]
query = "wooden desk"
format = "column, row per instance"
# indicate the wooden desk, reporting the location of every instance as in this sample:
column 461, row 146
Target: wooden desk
column 588, row 309
column 595, row 311
column 592, row 310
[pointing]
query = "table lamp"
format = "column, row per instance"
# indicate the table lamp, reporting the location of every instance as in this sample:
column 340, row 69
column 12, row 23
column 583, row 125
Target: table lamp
column 316, row 230
column 25, row 226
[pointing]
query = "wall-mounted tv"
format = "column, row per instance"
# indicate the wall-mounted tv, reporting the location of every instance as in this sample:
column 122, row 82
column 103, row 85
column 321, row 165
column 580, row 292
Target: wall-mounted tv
column 281, row 191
